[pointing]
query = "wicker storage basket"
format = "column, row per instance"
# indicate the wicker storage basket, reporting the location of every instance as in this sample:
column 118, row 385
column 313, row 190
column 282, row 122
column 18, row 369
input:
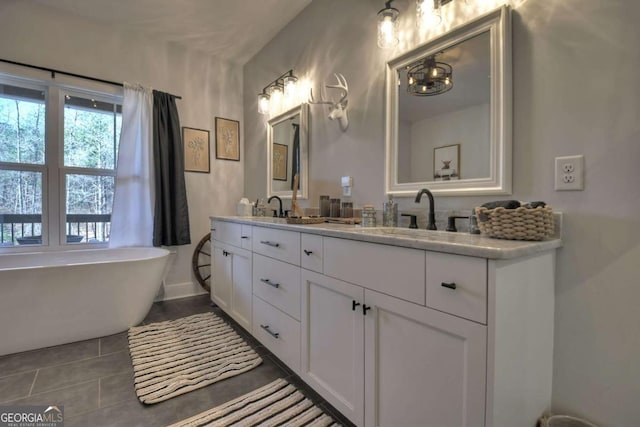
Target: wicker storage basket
column 305, row 220
column 516, row 224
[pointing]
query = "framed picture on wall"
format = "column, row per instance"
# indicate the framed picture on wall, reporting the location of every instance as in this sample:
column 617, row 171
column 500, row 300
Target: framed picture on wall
column 280, row 157
column 196, row 150
column 227, row 139
column 446, row 162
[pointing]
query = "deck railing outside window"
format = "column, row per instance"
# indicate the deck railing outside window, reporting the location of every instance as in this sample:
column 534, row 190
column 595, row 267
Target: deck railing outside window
column 26, row 229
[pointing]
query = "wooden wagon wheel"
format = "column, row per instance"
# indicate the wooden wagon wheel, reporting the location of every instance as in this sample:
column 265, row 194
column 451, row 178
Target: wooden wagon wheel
column 201, row 262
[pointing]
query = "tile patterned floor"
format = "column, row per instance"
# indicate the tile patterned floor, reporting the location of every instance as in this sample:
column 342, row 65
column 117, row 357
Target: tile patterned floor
column 94, row 379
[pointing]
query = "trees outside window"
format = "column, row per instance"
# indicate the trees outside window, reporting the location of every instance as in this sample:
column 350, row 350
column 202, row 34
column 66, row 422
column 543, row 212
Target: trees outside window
column 58, row 153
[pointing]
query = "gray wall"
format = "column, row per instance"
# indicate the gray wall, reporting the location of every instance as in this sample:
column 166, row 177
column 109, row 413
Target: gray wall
column 575, row 65
column 38, row 35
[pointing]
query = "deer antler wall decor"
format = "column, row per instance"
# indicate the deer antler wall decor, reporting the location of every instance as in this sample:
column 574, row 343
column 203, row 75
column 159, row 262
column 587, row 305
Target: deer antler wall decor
column 337, row 109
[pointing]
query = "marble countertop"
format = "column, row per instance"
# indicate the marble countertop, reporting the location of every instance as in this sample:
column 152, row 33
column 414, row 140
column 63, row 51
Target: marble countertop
column 439, row 241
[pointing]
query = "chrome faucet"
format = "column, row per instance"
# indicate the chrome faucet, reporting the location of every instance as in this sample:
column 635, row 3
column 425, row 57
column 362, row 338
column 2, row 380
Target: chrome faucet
column 431, row 224
column 280, row 212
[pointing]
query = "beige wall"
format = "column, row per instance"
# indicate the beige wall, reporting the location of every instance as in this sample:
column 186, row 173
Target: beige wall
column 575, row 78
column 34, row 34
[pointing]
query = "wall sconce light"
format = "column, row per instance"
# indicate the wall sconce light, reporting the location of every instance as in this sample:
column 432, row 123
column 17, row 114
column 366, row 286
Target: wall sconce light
column 429, row 77
column 388, row 26
column 429, row 13
column 279, row 92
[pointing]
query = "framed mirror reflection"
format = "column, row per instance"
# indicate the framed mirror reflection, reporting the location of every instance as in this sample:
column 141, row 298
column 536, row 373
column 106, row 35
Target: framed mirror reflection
column 448, row 112
column 287, row 152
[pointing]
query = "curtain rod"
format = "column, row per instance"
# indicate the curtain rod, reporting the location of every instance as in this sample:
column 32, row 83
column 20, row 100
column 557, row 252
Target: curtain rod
column 54, row 72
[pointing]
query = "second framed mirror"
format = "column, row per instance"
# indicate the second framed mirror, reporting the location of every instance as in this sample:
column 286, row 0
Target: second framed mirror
column 287, row 152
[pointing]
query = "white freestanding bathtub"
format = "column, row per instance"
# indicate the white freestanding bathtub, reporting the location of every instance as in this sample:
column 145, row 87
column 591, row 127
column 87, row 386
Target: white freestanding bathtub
column 51, row 298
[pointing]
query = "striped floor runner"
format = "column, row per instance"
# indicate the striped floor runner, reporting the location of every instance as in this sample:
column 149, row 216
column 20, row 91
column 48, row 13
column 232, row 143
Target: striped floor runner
column 276, row 404
column 178, row 356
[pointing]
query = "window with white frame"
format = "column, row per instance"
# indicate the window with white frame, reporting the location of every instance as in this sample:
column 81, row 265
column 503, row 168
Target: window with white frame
column 58, row 152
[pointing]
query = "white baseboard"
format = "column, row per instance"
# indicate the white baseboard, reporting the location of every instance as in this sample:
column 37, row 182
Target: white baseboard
column 179, row 290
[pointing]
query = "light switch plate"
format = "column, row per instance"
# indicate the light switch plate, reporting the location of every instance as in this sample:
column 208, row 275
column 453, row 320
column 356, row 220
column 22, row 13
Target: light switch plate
column 569, row 173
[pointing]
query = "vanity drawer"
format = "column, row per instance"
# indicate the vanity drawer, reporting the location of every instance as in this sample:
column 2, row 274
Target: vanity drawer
column 227, row 232
column 278, row 283
column 278, row 332
column 392, row 270
column 311, row 254
column 278, row 244
column 457, row 284
column 245, row 236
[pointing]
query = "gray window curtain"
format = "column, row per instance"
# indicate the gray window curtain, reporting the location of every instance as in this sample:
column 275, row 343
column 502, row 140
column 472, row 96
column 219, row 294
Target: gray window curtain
column 171, row 213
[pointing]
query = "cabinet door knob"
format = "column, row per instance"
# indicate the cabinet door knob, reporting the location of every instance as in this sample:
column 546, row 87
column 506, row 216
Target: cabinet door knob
column 354, row 304
column 270, row 283
column 451, row 285
column 308, row 252
column 268, row 243
column 365, row 308
column 270, row 332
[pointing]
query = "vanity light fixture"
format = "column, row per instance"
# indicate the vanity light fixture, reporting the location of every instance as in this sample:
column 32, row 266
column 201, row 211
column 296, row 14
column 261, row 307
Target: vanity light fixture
column 388, row 26
column 429, row 13
column 429, row 77
column 282, row 89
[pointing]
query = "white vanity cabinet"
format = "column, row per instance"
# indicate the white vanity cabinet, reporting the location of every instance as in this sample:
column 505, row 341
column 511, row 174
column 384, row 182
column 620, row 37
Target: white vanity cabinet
column 231, row 284
column 276, row 293
column 395, row 333
column 405, row 363
column 422, row 367
column 333, row 342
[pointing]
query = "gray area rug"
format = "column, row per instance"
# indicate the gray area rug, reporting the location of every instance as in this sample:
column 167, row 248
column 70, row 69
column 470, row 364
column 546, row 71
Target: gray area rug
column 276, row 404
column 178, row 356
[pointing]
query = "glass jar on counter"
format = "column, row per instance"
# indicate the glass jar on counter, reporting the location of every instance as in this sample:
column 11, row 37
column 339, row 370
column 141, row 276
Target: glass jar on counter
column 347, row 210
column 368, row 216
column 334, row 209
column 324, row 206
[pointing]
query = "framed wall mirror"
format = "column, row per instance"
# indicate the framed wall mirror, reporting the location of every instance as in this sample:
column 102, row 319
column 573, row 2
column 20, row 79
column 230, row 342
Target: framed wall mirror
column 287, row 152
column 448, row 112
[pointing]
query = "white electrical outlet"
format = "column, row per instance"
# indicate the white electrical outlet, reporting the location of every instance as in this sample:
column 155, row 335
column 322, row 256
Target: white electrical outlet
column 569, row 173
column 347, row 183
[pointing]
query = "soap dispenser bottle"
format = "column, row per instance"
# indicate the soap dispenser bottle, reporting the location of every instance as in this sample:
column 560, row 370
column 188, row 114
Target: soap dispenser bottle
column 390, row 213
column 473, row 222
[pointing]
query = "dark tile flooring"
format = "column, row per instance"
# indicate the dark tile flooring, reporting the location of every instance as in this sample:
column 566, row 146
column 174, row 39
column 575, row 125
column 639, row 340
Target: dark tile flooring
column 94, row 379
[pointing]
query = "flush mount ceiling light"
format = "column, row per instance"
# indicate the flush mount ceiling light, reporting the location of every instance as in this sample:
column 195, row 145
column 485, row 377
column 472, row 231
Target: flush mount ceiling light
column 282, row 89
column 428, row 77
column 388, row 26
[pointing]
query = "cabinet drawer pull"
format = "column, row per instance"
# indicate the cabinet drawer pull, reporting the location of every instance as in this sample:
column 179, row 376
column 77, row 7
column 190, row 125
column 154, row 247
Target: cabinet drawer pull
column 270, row 332
column 225, row 253
column 354, row 304
column 268, row 243
column 365, row 308
column 308, row 252
column 270, row 283
column 451, row 285
column 244, row 237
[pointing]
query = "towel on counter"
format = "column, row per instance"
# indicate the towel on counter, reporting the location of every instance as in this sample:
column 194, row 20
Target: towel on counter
column 513, row 204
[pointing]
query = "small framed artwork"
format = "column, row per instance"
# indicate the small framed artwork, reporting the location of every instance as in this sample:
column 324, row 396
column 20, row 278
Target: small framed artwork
column 446, row 163
column 280, row 156
column 227, row 139
column 196, row 150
